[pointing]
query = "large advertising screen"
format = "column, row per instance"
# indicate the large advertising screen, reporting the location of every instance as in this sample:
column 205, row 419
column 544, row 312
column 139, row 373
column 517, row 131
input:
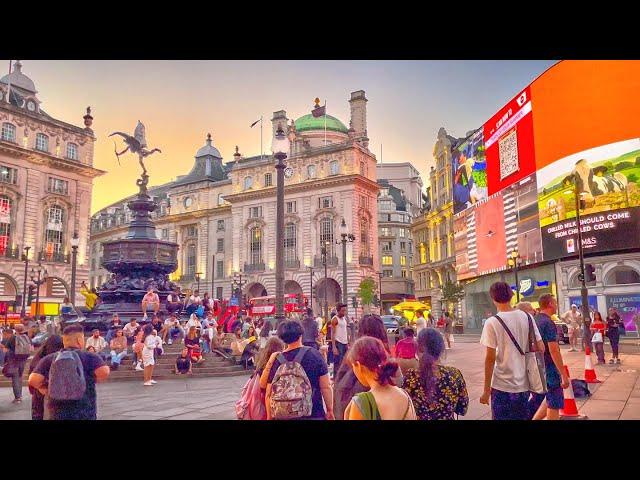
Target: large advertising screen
column 575, row 127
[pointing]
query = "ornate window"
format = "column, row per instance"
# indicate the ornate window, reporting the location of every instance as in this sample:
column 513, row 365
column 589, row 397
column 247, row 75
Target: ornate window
column 291, row 207
column 326, row 234
column 311, row 171
column 8, row 175
column 220, row 226
column 334, row 168
column 72, row 151
column 8, row 132
column 190, row 259
column 622, row 276
column 364, row 237
column 290, row 241
column 54, row 231
column 220, row 271
column 56, row 185
column 268, row 180
column 220, row 245
column 42, row 142
column 248, row 182
column 255, row 245
column 387, row 260
column 5, row 223
column 255, row 212
column 220, row 199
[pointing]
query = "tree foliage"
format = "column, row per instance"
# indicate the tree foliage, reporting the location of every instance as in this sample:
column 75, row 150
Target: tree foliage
column 452, row 292
column 366, row 290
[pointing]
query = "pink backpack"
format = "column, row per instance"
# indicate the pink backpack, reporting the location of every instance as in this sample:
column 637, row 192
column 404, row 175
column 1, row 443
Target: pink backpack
column 251, row 406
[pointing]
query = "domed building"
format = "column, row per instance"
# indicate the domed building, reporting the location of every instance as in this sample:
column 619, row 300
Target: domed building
column 46, row 182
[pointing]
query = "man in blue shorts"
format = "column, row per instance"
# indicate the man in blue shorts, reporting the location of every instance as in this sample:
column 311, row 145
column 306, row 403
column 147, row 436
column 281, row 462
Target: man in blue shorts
column 548, row 405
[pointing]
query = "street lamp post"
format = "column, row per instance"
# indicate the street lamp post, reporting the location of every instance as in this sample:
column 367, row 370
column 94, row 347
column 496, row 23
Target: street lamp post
column 380, row 275
column 514, row 262
column 280, row 149
column 75, row 242
column 346, row 237
column 38, row 277
column 584, row 293
column 198, row 274
column 323, row 253
column 310, row 267
column 213, row 275
column 25, row 259
column 238, row 285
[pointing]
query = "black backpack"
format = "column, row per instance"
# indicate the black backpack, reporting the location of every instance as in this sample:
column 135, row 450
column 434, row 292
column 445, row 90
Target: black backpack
column 580, row 388
column 66, row 377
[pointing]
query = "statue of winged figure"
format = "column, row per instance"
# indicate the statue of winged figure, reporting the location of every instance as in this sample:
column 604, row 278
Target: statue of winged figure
column 136, row 144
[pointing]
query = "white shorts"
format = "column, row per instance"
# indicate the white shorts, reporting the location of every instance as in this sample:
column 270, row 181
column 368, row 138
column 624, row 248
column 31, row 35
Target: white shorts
column 147, row 357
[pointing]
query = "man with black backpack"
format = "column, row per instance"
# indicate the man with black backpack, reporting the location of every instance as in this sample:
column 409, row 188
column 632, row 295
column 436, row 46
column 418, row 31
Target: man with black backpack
column 298, row 379
column 18, row 348
column 69, row 378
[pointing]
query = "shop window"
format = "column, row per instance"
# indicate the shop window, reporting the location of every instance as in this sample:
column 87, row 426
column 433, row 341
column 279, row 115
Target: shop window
column 622, row 276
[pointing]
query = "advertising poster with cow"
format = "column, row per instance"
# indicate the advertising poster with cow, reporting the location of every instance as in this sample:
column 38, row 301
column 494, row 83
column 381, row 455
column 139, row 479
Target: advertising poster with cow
column 607, row 180
column 469, row 172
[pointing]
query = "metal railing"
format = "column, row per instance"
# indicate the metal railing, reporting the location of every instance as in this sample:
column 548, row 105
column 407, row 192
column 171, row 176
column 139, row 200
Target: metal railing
column 366, row 260
column 11, row 253
column 253, row 267
column 331, row 261
column 54, row 257
column 292, row 264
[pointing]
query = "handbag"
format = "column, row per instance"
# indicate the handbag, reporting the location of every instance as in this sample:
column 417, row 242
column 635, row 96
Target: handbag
column 533, row 358
column 621, row 329
column 8, row 370
column 597, row 338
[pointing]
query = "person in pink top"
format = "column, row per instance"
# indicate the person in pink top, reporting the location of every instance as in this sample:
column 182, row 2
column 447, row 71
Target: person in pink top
column 150, row 298
column 406, row 350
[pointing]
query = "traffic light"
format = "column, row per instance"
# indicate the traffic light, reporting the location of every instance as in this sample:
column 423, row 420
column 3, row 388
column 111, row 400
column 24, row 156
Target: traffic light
column 31, row 295
column 589, row 273
column 376, row 303
column 354, row 302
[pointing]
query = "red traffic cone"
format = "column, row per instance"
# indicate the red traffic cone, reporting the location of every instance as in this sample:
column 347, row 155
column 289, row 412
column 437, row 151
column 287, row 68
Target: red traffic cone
column 570, row 408
column 589, row 372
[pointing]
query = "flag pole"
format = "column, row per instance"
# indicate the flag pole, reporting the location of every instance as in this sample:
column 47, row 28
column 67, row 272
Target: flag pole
column 261, row 150
column 325, row 123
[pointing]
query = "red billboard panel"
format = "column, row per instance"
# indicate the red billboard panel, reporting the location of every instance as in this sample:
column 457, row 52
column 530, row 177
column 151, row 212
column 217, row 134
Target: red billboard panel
column 508, row 140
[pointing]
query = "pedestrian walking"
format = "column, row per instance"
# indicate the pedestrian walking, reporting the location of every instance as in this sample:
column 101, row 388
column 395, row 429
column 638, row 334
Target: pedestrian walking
column 297, row 386
column 406, row 351
column 505, row 376
column 598, row 329
column 310, row 327
column 52, row 345
column 374, row 369
column 438, row 392
column 150, row 342
column 421, row 322
column 340, row 336
column 448, row 329
column 547, row 405
column 345, row 383
column 69, row 377
column 573, row 319
column 614, row 323
column 17, row 347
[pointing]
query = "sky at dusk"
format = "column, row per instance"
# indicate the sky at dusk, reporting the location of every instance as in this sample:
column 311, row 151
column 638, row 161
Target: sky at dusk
column 181, row 101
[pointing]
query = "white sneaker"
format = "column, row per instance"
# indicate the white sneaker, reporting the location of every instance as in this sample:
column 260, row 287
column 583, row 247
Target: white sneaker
column 148, row 384
column 139, row 368
column 144, row 317
column 153, row 382
column 169, row 342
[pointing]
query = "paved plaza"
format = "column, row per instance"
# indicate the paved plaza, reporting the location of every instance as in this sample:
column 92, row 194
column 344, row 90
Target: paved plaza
column 618, row 397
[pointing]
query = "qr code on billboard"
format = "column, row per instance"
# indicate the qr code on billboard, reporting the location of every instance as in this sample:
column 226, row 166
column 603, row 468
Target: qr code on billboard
column 508, row 154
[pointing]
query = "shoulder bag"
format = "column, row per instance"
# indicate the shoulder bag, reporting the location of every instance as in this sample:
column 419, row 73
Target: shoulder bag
column 534, row 359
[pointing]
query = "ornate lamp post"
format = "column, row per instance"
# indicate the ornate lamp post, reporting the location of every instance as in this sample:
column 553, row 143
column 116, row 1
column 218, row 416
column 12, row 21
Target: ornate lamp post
column 323, row 252
column 280, row 147
column 198, row 274
column 25, row 259
column 238, row 284
column 514, row 261
column 75, row 242
column 38, row 277
column 346, row 237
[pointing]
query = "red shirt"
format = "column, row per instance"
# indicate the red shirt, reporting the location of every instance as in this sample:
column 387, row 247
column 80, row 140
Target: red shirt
column 406, row 348
column 598, row 327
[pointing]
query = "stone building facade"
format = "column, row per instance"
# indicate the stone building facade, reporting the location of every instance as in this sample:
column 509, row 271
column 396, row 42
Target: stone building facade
column 434, row 261
column 46, row 175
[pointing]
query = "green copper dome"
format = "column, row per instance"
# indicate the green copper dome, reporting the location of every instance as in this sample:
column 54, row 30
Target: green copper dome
column 309, row 122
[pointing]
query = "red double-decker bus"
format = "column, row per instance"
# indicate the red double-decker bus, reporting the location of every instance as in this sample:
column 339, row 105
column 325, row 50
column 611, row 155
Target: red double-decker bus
column 265, row 306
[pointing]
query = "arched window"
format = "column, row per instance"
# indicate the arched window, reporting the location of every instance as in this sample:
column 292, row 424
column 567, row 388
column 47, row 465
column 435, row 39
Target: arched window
column 334, row 168
column 575, row 283
column 54, row 232
column 255, row 246
column 72, row 151
column 8, row 132
column 42, row 142
column 5, row 224
column 248, row 182
column 326, row 234
column 364, row 237
column 290, row 241
column 622, row 276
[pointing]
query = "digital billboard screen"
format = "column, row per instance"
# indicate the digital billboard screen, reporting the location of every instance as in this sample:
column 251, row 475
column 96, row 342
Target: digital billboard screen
column 574, row 126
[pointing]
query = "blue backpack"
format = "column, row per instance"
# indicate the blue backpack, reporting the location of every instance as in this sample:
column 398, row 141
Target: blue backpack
column 66, row 377
column 200, row 311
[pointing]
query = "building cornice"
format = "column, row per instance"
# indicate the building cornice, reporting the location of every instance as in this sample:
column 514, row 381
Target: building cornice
column 48, row 120
column 43, row 158
column 323, row 183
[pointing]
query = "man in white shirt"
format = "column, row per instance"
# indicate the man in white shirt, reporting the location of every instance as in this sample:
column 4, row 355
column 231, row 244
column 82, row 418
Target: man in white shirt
column 97, row 342
column 150, row 299
column 505, row 375
column 193, row 302
column 573, row 319
column 421, row 322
